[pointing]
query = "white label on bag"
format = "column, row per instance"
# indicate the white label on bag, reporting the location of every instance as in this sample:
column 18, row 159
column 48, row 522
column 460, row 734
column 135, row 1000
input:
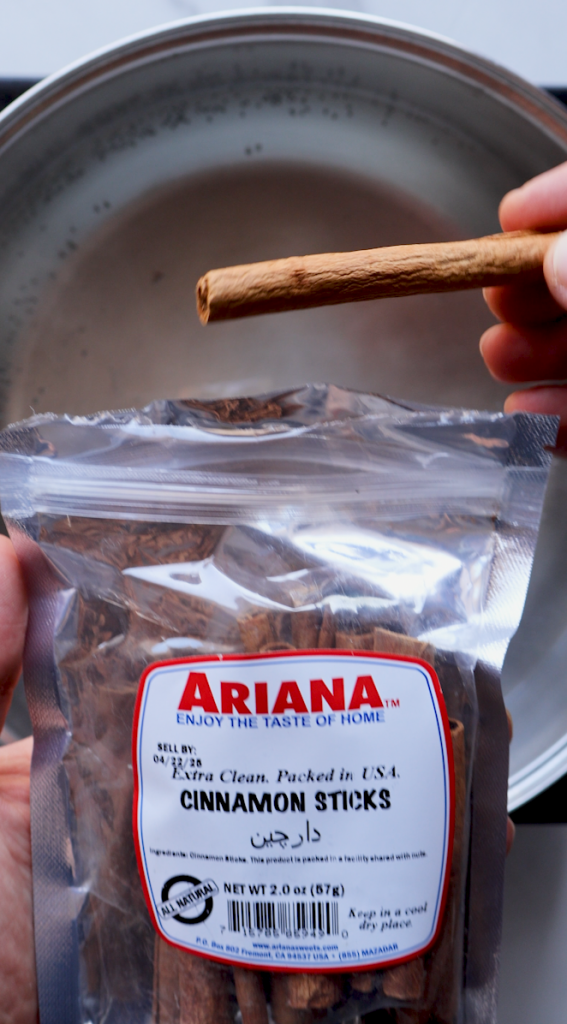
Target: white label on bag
column 294, row 809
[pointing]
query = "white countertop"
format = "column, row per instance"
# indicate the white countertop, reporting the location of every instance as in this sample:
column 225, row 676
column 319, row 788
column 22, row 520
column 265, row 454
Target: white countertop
column 41, row 36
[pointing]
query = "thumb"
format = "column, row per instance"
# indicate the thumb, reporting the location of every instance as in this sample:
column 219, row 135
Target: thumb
column 555, row 270
column 13, row 619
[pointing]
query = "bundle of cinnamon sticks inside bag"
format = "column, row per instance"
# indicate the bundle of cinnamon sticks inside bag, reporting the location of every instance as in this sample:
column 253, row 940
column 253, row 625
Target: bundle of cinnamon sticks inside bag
column 263, row 668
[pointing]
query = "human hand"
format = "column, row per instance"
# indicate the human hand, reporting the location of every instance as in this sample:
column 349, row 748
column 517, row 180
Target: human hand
column 530, row 344
column 18, row 993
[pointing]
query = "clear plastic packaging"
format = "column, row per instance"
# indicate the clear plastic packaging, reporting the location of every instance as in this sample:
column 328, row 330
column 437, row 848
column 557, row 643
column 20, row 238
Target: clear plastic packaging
column 310, row 532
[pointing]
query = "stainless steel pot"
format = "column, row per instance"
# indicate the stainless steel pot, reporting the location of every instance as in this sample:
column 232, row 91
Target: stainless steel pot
column 248, row 136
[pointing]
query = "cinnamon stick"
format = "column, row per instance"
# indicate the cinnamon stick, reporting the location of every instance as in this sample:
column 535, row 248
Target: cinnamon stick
column 354, row 641
column 305, row 627
column 166, row 983
column 443, row 978
column 257, row 630
column 441, row 974
column 327, row 631
column 406, row 981
column 458, row 742
column 250, row 996
column 189, row 989
column 292, row 994
column 282, row 1010
column 117, row 623
column 301, row 282
column 365, row 981
column 295, row 994
column 388, row 642
column 294, row 997
column 203, row 992
column 261, row 629
column 313, row 991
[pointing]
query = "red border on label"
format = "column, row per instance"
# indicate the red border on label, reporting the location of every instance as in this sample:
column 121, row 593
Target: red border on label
column 289, row 969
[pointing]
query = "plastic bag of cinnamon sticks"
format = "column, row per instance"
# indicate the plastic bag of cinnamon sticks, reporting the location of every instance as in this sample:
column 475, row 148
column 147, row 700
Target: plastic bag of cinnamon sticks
column 263, row 668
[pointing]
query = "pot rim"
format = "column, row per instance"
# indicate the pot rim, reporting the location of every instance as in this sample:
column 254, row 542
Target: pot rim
column 329, row 24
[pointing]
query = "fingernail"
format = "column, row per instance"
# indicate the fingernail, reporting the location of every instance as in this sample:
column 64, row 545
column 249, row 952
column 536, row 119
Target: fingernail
column 559, row 269
column 485, row 340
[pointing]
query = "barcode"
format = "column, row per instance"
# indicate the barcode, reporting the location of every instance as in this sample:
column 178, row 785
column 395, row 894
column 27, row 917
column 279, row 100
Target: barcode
column 283, row 918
